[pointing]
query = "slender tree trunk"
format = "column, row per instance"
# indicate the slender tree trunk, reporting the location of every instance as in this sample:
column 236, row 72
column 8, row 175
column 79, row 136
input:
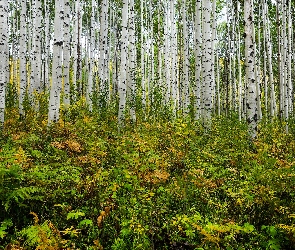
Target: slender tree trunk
column 89, row 92
column 79, row 52
column 66, row 53
column 142, row 56
column 55, row 90
column 207, row 86
column 257, row 64
column 251, row 100
column 23, row 59
column 213, row 41
column 75, row 45
column 46, row 45
column 265, row 80
column 35, row 83
column 167, row 54
column 280, row 58
column 284, row 62
column 132, row 59
column 103, row 46
column 289, row 80
column 173, row 47
column 4, row 60
column 217, row 85
column 198, row 58
column 240, row 107
column 186, row 59
column 123, row 66
column 270, row 68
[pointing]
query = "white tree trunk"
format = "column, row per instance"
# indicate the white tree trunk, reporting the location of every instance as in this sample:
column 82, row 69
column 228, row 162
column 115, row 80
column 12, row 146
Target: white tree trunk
column 132, row 59
column 47, row 45
column 218, row 85
column 289, row 79
column 265, row 79
column 23, row 52
column 173, row 47
column 75, row 44
column 257, row 63
column 240, row 106
column 79, row 50
column 167, row 53
column 123, row 65
column 198, row 58
column 213, row 41
column 207, row 86
column 66, row 52
column 55, row 90
column 251, row 100
column 273, row 107
column 89, row 92
column 186, row 60
column 3, row 56
column 142, row 56
column 32, row 32
column 284, row 62
column 103, row 46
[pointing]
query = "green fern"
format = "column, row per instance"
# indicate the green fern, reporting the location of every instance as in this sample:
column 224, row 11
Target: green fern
column 4, row 226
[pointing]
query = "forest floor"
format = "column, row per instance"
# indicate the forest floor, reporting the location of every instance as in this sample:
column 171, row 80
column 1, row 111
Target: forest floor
column 81, row 184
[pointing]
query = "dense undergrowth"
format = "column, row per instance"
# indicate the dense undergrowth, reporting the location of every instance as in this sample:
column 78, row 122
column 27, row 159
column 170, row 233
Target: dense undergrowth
column 81, row 184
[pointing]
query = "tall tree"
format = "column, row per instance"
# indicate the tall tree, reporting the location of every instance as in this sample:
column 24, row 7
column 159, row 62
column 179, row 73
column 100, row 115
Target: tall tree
column 198, row 57
column 132, row 59
column 4, row 68
column 186, row 59
column 103, row 47
column 207, row 84
column 123, row 66
column 23, row 58
column 35, row 77
column 55, row 90
column 173, row 47
column 67, row 52
column 89, row 91
column 251, row 100
column 270, row 63
column 75, row 43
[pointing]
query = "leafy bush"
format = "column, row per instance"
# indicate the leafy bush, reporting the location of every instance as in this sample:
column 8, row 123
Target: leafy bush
column 158, row 184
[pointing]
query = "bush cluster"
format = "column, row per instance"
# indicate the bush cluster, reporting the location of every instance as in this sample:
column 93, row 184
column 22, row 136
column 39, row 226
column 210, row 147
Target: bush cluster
column 154, row 185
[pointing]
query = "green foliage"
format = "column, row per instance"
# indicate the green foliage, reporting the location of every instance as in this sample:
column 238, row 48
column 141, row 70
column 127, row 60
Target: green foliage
column 4, row 226
column 155, row 185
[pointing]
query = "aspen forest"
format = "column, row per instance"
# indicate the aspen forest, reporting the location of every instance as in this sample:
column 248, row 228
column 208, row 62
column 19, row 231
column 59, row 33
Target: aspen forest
column 148, row 125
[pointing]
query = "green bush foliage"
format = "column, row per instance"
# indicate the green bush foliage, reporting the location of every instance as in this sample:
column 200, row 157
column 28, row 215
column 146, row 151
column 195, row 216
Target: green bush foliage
column 158, row 184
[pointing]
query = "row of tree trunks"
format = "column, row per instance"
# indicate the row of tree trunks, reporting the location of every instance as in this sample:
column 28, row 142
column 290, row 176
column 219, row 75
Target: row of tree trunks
column 102, row 48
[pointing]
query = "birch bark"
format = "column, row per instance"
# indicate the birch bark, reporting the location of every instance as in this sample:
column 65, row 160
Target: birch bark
column 67, row 53
column 240, row 106
column 251, row 100
column 132, row 59
column 123, row 66
column 289, row 79
column 198, row 58
column 175, row 101
column 75, row 44
column 3, row 56
column 103, row 46
column 89, row 92
column 186, row 59
column 207, row 86
column 47, row 55
column 23, row 59
column 270, row 69
column 55, row 90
